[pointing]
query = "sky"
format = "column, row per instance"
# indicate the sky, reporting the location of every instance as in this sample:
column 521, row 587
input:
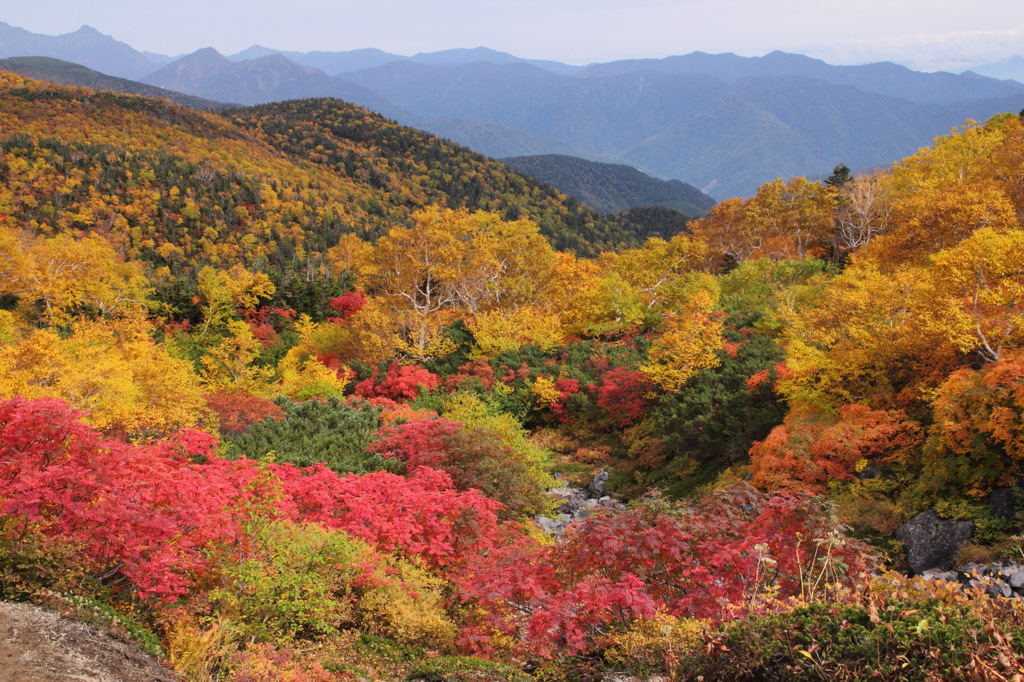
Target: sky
column 923, row 34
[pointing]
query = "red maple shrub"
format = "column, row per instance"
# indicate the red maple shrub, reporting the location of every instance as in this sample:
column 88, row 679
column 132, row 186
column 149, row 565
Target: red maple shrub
column 236, row 412
column 474, row 458
column 148, row 518
column 346, row 305
column 402, row 382
column 623, row 395
column 709, row 561
column 808, row 450
column 480, row 370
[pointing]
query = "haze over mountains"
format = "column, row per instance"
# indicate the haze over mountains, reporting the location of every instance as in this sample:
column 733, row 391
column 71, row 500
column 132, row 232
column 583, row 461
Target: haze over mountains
column 720, row 122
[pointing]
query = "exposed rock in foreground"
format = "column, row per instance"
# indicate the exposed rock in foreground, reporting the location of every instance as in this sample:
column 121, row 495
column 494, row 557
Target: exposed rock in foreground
column 39, row 646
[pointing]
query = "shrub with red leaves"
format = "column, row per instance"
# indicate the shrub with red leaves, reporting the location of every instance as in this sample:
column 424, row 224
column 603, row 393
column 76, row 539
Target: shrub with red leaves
column 402, row 382
column 474, row 458
column 150, row 518
column 623, row 395
column 236, row 412
column 346, row 305
column 710, row 562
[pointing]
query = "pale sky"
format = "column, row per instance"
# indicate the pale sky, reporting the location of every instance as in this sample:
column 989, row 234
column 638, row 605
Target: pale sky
column 923, row 34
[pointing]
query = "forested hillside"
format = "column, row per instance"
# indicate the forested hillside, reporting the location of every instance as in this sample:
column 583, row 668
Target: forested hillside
column 203, row 186
column 611, row 188
column 294, row 393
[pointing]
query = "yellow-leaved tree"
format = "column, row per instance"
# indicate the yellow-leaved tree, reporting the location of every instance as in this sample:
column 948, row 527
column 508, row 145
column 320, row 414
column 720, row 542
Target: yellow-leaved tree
column 111, row 369
column 451, row 264
column 687, row 346
column 231, row 365
column 973, row 293
column 57, row 278
column 222, row 291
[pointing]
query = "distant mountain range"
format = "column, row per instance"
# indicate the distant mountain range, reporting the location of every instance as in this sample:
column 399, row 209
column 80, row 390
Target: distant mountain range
column 719, row 122
column 86, row 46
column 1011, row 68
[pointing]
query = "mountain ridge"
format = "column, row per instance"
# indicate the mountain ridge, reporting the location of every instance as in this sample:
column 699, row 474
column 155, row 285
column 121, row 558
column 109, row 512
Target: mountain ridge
column 611, row 188
column 721, row 122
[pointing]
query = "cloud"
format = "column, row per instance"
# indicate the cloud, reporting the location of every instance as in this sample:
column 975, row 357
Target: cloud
column 952, row 51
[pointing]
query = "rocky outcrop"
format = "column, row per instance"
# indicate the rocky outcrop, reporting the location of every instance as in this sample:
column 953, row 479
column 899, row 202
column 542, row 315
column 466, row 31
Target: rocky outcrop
column 1004, row 503
column 931, row 542
column 572, row 504
column 37, row 645
column 998, row 579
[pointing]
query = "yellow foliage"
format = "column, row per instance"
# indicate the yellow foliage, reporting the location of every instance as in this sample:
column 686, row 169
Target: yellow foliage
column 640, row 287
column 450, row 264
column 351, row 254
column 407, row 605
column 62, row 276
column 571, row 292
column 223, row 291
column 229, row 366
column 657, row 644
column 200, row 653
column 857, row 337
column 496, row 331
column 687, row 346
column 937, row 217
column 304, row 377
column 544, row 390
column 9, row 327
column 973, row 293
column 113, row 370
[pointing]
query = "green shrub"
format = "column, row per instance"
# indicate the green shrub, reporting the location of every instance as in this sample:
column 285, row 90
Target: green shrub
column 330, row 431
column 464, row 669
column 299, row 583
column 898, row 640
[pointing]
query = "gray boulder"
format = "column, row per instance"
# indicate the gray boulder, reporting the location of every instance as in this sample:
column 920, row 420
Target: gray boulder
column 595, row 489
column 931, row 542
column 573, row 504
column 1003, row 503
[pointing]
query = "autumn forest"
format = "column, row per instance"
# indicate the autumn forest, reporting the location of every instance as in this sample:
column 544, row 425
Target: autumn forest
column 284, row 390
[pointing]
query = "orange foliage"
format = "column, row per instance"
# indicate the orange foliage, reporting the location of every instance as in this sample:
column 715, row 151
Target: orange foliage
column 809, row 450
column 977, row 439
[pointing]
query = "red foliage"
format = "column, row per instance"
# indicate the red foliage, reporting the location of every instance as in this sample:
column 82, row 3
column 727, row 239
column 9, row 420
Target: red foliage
column 977, row 440
column 759, row 379
column 236, row 412
column 265, row 321
column 474, row 369
column 623, row 394
column 420, row 514
column 138, row 513
column 876, row 436
column 703, row 562
column 474, row 459
column 806, row 451
column 510, row 376
column 333, row 361
column 264, row 663
column 565, row 388
column 264, row 333
column 346, row 305
column 420, row 442
column 402, row 382
column 152, row 517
